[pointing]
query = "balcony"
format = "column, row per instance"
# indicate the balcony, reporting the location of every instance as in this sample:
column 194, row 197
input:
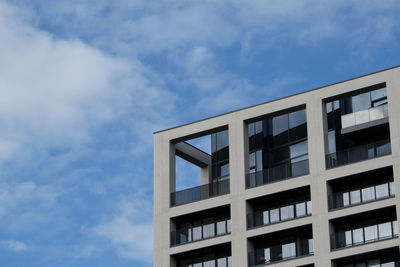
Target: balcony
column 361, row 195
column 277, row 173
column 364, row 234
column 279, row 214
column 278, row 253
column 358, row 153
column 364, row 116
column 201, row 192
column 200, row 232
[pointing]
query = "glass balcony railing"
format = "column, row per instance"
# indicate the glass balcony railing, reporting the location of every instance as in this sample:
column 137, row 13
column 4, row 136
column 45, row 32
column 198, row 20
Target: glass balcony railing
column 361, row 195
column 201, row 232
column 201, row 192
column 364, row 235
column 277, row 173
column 300, row 248
column 279, row 214
column 364, row 116
column 358, row 153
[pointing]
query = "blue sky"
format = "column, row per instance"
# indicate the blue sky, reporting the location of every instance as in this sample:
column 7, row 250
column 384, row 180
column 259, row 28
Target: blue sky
column 84, row 84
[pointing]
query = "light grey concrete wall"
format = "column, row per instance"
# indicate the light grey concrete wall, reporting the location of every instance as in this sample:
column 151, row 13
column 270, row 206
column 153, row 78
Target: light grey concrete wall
column 164, row 176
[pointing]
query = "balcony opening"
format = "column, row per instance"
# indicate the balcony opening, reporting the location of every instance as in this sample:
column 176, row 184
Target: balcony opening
column 201, row 168
column 213, row 256
column 200, row 225
column 281, row 246
column 278, row 147
column 364, row 228
column 279, row 207
column 358, row 126
column 380, row 258
column 361, row 188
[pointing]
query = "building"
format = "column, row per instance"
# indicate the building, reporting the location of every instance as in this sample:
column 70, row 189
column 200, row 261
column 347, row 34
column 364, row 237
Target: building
column 312, row 179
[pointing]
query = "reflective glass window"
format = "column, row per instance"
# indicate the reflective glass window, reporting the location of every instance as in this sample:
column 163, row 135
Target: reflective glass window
column 259, row 164
column 225, row 170
column 221, row 262
column 348, row 237
column 388, row 264
column 287, row 212
column 361, row 102
column 355, row 197
column 373, row 263
column 371, row 233
column 346, row 199
column 328, row 107
column 382, row 191
column 280, row 124
column 395, row 228
column 266, row 217
column 297, row 118
column 298, row 149
column 208, row 228
column 331, row 141
column 274, row 215
column 391, row 188
column 311, row 246
column 229, row 261
column 197, row 233
column 221, row 228
column 267, row 254
column 368, row 194
column 222, row 139
column 378, row 94
column 210, row 263
column 309, row 207
column 228, row 226
column 385, row 230
column 289, row 250
column 358, row 236
column 259, row 127
column 300, row 209
column 251, row 129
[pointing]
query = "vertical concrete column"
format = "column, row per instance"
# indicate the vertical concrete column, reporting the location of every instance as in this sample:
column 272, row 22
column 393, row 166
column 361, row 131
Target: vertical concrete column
column 237, row 159
column 164, row 183
column 316, row 125
column 393, row 93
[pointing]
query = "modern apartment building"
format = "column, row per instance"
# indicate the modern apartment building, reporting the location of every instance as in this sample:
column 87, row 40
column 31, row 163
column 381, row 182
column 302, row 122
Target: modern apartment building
column 312, row 179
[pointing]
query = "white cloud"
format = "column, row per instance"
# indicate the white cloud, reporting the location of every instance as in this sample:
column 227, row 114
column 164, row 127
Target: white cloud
column 130, row 229
column 16, row 246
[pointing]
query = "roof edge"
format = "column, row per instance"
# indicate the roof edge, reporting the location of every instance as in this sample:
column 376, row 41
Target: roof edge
column 277, row 99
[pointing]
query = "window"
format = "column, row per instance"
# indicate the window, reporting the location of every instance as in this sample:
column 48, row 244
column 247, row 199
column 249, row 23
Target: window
column 289, row 250
column 358, row 236
column 355, row 197
column 300, row 209
column 274, row 215
column 266, row 217
column 368, row 194
column 287, row 212
column 382, row 191
column 361, row 102
column 371, row 233
column 309, row 208
column 221, row 228
column 385, row 230
column 208, row 228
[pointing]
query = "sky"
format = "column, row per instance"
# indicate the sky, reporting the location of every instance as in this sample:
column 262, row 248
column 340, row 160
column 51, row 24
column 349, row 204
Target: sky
column 84, row 84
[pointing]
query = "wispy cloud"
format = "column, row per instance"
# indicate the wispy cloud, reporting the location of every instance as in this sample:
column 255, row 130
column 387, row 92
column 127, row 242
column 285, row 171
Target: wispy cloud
column 126, row 229
column 15, row 246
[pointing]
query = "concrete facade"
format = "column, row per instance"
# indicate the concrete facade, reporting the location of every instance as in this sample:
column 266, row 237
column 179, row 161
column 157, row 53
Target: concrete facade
column 167, row 144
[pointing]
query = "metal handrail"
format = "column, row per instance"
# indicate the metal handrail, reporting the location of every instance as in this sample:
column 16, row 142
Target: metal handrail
column 358, row 153
column 277, row 173
column 217, row 188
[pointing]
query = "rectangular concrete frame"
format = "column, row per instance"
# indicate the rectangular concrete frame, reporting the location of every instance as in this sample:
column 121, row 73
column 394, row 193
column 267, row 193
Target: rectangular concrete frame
column 236, row 122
